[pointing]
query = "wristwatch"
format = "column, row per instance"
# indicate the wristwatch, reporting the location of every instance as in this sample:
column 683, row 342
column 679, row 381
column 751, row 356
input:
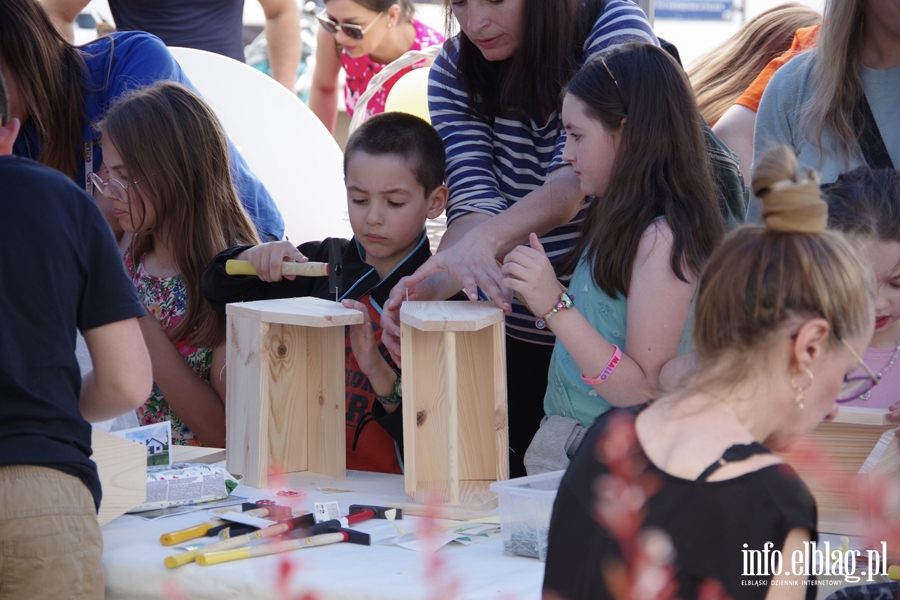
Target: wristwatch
column 395, row 396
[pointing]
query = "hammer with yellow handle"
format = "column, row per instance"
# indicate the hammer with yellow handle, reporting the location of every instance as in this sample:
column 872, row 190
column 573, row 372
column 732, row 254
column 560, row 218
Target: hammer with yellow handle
column 177, row 560
column 210, row 529
column 214, row 558
column 307, row 269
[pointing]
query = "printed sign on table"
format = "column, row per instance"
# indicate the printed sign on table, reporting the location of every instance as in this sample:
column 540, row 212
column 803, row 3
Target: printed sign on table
column 156, row 437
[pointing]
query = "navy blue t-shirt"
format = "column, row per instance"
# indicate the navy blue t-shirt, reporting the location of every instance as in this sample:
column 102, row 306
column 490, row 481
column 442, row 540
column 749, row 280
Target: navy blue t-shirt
column 211, row 25
column 60, row 270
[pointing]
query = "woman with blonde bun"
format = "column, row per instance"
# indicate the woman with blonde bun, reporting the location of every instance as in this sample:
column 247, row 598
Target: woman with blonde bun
column 783, row 312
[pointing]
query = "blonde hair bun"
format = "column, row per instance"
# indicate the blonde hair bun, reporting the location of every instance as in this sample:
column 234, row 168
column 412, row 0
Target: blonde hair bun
column 791, row 200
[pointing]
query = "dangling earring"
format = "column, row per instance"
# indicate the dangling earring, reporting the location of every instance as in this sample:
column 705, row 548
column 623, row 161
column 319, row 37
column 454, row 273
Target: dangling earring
column 800, row 389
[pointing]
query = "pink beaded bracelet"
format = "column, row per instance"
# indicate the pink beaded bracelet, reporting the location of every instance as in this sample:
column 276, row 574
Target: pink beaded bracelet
column 610, row 367
column 566, row 300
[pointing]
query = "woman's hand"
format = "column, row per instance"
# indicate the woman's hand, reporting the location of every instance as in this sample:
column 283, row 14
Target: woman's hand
column 267, row 258
column 390, row 313
column 470, row 262
column 529, row 272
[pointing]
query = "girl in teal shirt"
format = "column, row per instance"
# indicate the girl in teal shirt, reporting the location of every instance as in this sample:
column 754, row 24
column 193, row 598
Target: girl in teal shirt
column 635, row 140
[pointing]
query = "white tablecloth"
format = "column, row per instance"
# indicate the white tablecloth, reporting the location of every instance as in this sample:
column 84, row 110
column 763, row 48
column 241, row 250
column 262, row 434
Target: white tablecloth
column 133, row 557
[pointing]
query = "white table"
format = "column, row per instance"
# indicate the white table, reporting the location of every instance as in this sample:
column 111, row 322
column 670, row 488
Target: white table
column 133, row 557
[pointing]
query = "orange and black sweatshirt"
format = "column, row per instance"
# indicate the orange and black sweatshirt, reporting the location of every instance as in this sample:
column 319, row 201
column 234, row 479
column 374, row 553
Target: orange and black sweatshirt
column 377, row 448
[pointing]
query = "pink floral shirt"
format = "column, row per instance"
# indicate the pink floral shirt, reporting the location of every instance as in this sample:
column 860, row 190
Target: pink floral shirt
column 360, row 72
column 166, row 299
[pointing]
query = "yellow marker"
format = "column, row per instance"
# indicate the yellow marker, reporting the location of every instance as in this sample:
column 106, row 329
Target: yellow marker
column 176, row 537
column 894, row 572
column 307, row 269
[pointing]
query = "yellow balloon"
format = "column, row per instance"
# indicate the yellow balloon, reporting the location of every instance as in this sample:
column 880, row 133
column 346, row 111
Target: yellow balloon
column 410, row 94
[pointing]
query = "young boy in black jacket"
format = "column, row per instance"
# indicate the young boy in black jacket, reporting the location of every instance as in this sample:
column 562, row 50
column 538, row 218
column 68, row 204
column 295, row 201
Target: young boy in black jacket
column 394, row 173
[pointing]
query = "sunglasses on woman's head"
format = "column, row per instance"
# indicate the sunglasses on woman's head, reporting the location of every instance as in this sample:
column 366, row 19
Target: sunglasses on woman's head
column 350, row 29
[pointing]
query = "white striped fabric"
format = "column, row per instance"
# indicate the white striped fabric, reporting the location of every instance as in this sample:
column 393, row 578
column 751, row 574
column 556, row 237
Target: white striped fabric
column 490, row 167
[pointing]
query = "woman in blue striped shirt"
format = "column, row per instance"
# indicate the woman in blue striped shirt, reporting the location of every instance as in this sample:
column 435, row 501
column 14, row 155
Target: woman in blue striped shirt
column 494, row 98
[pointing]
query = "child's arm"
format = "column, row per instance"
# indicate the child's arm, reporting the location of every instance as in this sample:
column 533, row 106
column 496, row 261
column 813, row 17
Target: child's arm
column 120, row 380
column 658, row 305
column 201, row 406
column 362, row 343
column 220, row 288
column 267, row 259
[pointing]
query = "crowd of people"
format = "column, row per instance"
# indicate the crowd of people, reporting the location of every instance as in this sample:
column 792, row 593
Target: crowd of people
column 575, row 162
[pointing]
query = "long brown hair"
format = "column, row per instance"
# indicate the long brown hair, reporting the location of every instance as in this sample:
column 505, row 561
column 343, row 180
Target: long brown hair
column 172, row 144
column 721, row 76
column 661, row 168
column 527, row 85
column 48, row 73
column 835, row 77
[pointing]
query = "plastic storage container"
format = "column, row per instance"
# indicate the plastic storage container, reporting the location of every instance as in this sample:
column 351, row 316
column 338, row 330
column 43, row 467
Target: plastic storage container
column 525, row 507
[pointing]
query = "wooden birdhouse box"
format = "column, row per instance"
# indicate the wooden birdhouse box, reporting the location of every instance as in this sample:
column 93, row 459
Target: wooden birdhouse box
column 454, row 401
column 285, row 405
column 860, row 450
column 122, row 468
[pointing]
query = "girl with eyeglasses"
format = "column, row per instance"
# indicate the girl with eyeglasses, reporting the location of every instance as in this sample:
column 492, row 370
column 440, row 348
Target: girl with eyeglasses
column 361, row 37
column 57, row 91
column 865, row 204
column 180, row 208
column 783, row 312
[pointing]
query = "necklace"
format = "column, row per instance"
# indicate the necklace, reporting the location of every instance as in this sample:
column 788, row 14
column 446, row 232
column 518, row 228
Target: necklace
column 868, row 393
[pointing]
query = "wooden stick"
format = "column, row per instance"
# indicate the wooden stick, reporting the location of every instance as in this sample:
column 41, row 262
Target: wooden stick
column 307, row 269
column 214, row 558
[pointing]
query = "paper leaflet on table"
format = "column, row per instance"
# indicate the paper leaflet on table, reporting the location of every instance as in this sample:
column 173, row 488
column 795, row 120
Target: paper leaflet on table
column 155, row 437
column 433, row 538
column 326, row 511
column 244, row 519
column 185, row 483
column 172, row 511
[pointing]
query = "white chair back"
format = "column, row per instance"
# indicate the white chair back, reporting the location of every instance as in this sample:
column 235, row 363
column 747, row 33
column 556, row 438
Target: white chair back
column 409, row 58
column 283, row 142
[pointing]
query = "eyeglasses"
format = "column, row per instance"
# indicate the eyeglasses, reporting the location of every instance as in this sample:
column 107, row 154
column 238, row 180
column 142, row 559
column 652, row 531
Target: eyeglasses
column 350, row 29
column 854, row 387
column 112, row 185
